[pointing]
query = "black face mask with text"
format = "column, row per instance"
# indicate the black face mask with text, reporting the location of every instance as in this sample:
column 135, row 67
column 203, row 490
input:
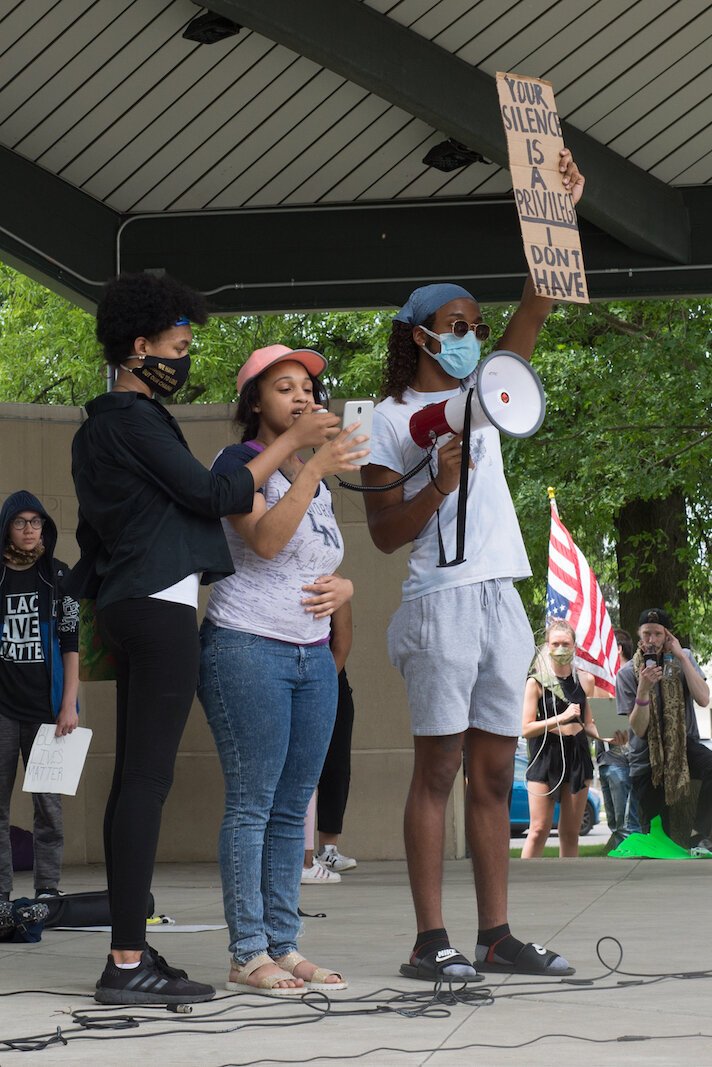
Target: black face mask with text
column 164, row 376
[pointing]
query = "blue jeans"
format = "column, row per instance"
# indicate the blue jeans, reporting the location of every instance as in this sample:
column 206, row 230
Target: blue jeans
column 615, row 786
column 271, row 707
column 632, row 816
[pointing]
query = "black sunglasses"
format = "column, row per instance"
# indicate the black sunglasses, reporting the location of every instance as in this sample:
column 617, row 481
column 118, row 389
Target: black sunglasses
column 480, row 329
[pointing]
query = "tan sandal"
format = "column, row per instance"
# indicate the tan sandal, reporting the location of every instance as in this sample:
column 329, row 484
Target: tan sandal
column 318, row 981
column 237, row 979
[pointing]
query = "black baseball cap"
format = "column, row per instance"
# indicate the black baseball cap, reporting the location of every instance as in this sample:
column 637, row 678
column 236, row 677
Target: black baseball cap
column 655, row 615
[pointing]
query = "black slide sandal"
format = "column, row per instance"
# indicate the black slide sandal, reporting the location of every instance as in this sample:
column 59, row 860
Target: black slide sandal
column 532, row 959
column 431, row 968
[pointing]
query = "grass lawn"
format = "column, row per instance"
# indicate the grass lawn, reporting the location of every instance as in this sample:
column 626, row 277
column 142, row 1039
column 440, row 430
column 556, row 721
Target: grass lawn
column 553, row 850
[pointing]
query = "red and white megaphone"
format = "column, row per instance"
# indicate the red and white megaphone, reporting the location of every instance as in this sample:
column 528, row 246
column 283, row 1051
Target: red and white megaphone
column 508, row 394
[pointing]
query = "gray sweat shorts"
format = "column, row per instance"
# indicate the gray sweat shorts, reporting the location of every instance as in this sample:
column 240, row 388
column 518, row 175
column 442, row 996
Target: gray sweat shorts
column 464, row 654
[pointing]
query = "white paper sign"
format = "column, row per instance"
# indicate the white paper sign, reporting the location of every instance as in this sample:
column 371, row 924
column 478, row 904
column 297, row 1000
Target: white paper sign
column 56, row 763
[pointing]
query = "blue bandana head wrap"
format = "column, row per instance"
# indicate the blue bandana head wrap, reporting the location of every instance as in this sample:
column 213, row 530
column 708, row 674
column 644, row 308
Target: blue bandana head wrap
column 424, row 301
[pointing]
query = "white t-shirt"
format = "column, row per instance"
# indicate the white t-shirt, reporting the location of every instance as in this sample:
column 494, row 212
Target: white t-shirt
column 183, row 592
column 493, row 543
column 264, row 596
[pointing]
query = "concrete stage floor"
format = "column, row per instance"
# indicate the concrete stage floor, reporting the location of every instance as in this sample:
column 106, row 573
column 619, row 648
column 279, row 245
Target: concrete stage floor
column 660, row 912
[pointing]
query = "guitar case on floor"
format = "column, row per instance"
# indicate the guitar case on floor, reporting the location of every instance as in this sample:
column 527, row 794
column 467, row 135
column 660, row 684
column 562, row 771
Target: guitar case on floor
column 83, row 909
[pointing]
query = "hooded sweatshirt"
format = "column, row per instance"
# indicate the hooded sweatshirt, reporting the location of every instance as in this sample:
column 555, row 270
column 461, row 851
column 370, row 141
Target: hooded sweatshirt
column 58, row 617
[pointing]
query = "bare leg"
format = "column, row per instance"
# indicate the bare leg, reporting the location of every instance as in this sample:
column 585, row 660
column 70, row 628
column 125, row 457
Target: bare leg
column 490, row 770
column 541, row 816
column 327, row 839
column 490, row 766
column 437, row 761
column 570, row 818
column 309, row 824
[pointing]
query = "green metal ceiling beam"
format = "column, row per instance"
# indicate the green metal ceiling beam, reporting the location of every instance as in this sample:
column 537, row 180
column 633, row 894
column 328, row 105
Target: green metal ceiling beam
column 65, row 239
column 426, row 81
column 53, row 232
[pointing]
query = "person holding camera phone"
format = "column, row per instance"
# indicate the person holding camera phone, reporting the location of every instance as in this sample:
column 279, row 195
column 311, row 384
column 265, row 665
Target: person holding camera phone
column 268, row 679
column 557, row 724
column 657, row 690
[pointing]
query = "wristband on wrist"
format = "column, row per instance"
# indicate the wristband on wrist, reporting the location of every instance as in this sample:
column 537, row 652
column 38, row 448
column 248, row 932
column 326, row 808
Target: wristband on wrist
column 642, row 703
column 436, row 486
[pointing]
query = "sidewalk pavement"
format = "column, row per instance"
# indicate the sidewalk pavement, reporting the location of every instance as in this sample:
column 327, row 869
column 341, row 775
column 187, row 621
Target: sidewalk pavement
column 658, row 911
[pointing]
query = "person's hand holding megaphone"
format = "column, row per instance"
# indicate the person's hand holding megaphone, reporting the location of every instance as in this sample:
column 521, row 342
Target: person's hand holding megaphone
column 447, row 478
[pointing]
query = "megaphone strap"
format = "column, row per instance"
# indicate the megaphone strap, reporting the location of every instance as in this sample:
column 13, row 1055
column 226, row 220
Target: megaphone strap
column 461, row 495
column 391, row 485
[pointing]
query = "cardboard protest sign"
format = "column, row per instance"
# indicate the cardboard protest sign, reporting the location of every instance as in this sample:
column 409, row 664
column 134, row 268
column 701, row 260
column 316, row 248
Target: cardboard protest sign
column 547, row 216
column 56, row 763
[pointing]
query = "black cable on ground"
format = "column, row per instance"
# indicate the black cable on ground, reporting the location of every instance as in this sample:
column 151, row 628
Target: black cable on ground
column 433, row 1002
column 448, row 1050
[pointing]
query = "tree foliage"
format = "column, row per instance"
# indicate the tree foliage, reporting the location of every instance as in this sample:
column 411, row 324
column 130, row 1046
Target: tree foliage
column 48, row 351
column 629, row 397
column 629, row 402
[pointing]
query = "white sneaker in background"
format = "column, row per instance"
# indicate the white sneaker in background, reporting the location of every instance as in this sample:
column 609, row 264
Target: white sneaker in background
column 702, row 850
column 330, row 858
column 318, row 875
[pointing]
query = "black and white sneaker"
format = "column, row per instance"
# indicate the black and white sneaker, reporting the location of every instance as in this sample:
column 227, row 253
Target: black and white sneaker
column 149, row 983
column 7, row 922
column 31, row 913
column 21, row 922
column 330, row 858
column 164, row 965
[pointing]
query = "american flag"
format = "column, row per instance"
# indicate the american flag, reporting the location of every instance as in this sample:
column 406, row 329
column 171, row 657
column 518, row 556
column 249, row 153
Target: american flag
column 573, row 593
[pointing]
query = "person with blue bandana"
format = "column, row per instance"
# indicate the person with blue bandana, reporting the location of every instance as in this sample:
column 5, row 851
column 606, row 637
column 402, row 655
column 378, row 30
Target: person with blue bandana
column 460, row 638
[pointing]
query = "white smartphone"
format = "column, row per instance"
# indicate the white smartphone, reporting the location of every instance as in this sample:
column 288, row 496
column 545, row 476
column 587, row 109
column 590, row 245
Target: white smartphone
column 361, row 411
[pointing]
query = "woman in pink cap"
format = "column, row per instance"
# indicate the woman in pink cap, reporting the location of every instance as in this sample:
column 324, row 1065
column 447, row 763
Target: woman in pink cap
column 268, row 680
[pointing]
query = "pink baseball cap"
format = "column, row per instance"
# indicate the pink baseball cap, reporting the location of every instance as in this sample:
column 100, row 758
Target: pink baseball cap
column 262, row 358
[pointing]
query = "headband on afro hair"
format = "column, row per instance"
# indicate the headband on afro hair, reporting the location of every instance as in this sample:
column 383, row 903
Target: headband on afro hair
column 143, row 305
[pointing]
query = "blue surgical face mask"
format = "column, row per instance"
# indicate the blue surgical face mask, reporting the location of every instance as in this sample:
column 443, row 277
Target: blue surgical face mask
column 458, row 356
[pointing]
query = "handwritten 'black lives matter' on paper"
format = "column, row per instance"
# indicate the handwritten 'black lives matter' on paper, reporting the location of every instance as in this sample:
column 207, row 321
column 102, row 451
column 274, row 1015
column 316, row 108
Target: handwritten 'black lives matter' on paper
column 547, row 215
column 55, row 764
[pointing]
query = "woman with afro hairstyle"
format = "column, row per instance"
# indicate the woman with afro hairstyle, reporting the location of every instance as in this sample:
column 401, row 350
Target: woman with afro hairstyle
column 149, row 526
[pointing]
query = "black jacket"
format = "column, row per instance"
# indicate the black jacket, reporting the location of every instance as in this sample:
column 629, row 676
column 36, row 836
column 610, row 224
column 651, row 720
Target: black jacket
column 148, row 510
column 59, row 612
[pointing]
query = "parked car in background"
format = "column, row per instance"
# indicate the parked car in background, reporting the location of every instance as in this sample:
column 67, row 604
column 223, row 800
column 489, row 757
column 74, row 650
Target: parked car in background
column 519, row 805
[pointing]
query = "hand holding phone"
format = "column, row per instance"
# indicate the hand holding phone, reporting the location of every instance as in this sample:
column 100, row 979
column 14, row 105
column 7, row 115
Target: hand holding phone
column 358, row 411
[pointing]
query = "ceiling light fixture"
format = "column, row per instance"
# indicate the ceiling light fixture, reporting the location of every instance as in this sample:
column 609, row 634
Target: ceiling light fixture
column 451, row 155
column 210, row 28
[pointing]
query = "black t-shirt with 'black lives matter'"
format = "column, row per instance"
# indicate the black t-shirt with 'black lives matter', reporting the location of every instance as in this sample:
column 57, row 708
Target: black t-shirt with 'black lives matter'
column 24, row 681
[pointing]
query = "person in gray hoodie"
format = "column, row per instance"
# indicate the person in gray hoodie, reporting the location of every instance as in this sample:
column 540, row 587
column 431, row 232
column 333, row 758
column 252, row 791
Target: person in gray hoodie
column 39, row 673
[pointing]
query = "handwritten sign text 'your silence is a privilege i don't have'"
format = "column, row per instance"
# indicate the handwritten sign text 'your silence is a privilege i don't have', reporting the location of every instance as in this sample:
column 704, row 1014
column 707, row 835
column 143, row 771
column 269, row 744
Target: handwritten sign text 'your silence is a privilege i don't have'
column 547, row 216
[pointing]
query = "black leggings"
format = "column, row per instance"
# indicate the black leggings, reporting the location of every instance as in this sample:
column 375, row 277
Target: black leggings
column 156, row 646
column 336, row 775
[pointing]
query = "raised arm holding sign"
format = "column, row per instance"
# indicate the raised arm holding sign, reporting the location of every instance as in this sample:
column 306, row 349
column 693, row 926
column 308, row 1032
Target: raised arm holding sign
column 458, row 700
column 546, row 190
